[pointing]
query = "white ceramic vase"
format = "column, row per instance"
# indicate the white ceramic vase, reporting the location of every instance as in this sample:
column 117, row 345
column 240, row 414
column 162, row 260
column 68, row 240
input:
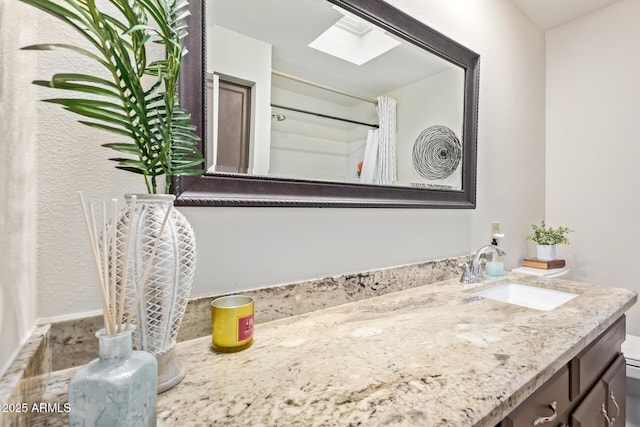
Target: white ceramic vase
column 160, row 310
column 546, row 252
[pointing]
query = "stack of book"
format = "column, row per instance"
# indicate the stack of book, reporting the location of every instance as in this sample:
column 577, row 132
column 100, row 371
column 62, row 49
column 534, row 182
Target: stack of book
column 543, row 264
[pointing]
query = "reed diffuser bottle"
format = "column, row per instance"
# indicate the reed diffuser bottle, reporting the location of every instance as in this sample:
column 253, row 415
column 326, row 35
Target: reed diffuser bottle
column 119, row 388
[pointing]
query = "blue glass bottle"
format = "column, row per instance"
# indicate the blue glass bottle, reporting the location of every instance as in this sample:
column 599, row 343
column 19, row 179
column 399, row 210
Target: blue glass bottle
column 117, row 389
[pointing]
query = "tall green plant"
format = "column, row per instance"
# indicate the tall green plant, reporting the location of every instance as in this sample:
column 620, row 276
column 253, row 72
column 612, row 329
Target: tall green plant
column 139, row 101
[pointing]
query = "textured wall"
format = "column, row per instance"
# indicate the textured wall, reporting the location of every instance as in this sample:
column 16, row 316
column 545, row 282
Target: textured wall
column 17, row 179
column 70, row 159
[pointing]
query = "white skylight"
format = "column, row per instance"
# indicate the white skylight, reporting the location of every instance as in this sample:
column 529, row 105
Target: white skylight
column 354, row 40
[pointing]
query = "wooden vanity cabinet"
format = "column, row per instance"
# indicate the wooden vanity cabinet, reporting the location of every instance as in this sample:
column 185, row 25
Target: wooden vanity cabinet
column 589, row 391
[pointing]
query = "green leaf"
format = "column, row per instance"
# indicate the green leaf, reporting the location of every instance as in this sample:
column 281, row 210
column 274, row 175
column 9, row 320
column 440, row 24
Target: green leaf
column 71, row 81
column 131, row 169
column 108, row 128
column 95, row 112
column 139, row 28
column 56, row 46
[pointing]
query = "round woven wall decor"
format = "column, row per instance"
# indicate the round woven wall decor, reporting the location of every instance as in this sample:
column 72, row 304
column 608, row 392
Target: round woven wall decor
column 437, row 152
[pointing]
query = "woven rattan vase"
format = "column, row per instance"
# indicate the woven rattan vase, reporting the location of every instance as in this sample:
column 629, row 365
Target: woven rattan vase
column 160, row 310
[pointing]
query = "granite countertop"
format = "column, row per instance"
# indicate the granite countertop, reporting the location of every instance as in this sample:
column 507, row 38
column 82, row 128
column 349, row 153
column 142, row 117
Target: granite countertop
column 433, row 355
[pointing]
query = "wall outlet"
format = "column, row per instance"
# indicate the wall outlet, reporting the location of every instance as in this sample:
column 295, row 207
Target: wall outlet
column 495, row 228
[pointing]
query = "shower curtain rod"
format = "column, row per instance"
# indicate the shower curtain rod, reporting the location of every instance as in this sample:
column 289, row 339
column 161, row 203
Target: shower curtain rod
column 330, row 89
column 297, row 110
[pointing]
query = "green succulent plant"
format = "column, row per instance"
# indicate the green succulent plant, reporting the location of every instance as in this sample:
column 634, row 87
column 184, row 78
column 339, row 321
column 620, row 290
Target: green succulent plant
column 549, row 236
column 138, row 102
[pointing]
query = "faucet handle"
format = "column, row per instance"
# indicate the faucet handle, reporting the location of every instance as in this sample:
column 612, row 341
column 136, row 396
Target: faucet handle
column 467, row 266
column 466, row 263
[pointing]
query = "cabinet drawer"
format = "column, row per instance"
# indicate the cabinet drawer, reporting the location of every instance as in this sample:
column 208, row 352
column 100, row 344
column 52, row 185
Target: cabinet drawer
column 539, row 404
column 589, row 365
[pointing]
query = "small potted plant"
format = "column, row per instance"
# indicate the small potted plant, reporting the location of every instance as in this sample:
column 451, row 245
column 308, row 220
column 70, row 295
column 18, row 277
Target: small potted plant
column 547, row 238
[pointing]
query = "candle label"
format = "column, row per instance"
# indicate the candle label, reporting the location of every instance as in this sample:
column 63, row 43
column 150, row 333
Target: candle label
column 245, row 327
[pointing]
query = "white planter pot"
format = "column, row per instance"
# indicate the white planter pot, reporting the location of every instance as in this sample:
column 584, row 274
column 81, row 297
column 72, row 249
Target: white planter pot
column 546, row 252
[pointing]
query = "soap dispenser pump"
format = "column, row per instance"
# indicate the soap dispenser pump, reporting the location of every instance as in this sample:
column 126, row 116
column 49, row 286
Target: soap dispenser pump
column 495, row 237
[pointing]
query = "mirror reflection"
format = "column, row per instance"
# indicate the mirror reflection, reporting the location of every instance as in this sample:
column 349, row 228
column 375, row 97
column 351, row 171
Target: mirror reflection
column 305, row 90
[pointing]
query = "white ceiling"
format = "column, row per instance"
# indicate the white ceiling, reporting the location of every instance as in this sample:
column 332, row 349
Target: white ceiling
column 288, row 26
column 549, row 14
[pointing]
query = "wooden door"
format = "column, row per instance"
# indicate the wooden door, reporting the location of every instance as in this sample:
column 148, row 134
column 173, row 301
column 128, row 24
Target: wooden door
column 234, row 127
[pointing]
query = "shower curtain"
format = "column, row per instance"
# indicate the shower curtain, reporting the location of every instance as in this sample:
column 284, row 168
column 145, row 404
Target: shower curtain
column 379, row 164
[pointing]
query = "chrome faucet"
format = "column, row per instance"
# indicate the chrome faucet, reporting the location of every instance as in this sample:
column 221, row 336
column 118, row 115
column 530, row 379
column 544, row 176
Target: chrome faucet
column 473, row 269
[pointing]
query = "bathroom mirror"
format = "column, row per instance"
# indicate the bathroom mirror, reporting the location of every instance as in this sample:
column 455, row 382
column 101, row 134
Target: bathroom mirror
column 317, row 94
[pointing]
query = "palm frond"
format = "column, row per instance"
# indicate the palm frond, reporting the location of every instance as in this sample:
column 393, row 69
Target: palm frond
column 139, row 101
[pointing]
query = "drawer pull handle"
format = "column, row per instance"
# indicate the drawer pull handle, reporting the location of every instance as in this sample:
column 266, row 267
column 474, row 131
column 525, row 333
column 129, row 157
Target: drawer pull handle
column 613, row 399
column 606, row 416
column 541, row 420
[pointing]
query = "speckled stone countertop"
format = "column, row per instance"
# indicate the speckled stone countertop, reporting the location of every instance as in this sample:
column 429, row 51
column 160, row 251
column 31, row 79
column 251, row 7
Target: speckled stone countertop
column 429, row 356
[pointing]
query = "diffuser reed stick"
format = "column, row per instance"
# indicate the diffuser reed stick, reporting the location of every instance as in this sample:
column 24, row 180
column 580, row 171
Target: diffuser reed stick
column 143, row 282
column 114, row 264
column 106, row 260
column 105, row 268
column 125, row 270
column 91, row 229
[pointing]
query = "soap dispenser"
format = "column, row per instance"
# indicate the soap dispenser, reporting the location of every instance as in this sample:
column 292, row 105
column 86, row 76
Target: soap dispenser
column 495, row 266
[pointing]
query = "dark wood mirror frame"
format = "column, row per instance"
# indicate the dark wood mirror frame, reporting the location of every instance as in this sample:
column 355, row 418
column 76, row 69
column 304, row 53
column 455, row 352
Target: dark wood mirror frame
column 245, row 190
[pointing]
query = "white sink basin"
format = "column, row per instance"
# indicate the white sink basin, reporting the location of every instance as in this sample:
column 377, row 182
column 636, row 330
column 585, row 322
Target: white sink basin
column 526, row 296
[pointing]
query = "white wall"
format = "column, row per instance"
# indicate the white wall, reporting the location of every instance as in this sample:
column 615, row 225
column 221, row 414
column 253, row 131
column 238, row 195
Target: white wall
column 310, row 147
column 225, row 61
column 511, row 114
column 593, row 146
column 17, row 179
column 306, row 157
column 436, row 100
column 241, row 248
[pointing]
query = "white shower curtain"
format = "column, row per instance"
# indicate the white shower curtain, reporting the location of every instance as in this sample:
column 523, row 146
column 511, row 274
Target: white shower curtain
column 370, row 161
column 379, row 164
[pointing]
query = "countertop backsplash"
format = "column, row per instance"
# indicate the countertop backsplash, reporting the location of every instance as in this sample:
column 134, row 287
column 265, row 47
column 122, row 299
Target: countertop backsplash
column 70, row 343
column 73, row 342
